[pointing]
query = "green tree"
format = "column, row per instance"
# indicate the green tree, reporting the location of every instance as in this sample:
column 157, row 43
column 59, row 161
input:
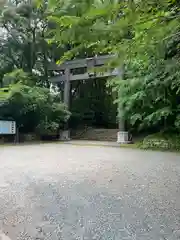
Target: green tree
column 144, row 36
column 23, row 44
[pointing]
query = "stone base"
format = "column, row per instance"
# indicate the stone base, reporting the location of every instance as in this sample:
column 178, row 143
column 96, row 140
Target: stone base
column 64, row 135
column 123, row 138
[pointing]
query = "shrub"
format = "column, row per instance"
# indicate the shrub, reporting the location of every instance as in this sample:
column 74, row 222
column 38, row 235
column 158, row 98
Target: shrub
column 34, row 109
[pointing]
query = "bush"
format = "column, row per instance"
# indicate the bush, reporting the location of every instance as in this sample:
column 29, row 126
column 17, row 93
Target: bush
column 34, row 109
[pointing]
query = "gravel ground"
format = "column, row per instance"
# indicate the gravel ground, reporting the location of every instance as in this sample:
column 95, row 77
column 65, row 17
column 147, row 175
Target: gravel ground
column 58, row 191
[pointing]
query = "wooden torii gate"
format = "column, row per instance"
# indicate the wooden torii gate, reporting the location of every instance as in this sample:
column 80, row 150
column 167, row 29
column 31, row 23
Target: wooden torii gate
column 88, row 65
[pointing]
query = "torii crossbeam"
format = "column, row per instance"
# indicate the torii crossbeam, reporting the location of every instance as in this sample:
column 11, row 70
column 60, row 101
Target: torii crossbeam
column 88, row 66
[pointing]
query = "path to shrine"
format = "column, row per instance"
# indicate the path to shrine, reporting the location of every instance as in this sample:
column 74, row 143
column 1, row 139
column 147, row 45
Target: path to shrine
column 60, row 191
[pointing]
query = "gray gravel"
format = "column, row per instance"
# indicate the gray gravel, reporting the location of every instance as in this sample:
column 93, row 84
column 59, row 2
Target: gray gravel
column 57, row 191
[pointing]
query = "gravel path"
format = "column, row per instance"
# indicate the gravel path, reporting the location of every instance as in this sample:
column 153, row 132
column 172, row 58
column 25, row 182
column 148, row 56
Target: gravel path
column 57, row 191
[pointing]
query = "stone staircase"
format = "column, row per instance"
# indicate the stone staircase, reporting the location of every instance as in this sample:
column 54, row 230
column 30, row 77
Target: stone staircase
column 95, row 134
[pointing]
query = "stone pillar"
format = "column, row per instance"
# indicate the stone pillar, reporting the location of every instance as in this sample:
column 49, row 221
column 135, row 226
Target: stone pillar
column 67, row 87
column 65, row 134
column 122, row 135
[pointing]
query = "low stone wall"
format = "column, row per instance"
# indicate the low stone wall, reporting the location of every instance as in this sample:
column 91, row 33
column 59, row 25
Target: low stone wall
column 167, row 143
column 22, row 138
column 7, row 139
column 29, row 137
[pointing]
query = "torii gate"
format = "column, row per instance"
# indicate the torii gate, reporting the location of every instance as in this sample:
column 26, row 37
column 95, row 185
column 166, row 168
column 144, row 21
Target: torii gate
column 88, row 65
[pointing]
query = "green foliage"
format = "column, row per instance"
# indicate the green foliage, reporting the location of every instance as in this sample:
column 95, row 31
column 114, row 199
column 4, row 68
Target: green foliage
column 19, row 76
column 34, row 109
column 126, row 28
column 150, row 97
column 23, row 44
column 144, row 35
column 25, row 54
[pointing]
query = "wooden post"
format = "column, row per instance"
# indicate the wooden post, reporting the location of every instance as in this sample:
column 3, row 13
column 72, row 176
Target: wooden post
column 90, row 65
column 65, row 134
column 121, row 123
column 16, row 136
column 123, row 136
column 67, row 87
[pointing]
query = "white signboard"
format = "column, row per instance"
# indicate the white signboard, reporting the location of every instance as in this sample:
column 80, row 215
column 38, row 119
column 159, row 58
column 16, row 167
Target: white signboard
column 7, row 127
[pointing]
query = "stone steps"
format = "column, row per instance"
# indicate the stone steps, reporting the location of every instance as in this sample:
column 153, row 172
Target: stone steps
column 96, row 134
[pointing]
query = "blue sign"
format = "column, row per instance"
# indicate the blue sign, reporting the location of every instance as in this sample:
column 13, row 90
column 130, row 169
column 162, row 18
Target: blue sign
column 7, row 127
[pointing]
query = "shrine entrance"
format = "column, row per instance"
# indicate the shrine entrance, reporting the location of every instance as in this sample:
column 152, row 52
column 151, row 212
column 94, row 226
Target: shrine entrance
column 85, row 69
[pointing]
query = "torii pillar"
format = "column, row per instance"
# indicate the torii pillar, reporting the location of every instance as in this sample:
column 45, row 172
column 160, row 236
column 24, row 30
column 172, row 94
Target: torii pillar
column 65, row 134
column 122, row 135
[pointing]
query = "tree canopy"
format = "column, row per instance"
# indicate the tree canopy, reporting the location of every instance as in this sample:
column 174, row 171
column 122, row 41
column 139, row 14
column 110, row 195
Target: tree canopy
column 143, row 36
